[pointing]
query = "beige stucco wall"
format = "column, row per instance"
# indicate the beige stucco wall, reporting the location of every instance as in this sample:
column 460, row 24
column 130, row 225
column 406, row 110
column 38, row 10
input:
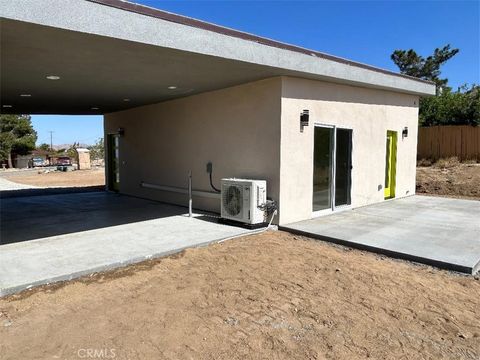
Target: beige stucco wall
column 237, row 129
column 253, row 131
column 370, row 113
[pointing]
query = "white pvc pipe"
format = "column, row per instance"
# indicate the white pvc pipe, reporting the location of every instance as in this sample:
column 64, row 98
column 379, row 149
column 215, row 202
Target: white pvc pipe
column 175, row 189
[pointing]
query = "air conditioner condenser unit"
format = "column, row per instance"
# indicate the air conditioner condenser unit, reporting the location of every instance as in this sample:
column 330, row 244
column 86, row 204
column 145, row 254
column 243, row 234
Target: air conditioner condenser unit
column 244, row 200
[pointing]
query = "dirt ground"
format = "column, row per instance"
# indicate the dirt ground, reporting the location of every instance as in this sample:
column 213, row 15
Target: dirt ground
column 268, row 296
column 92, row 177
column 450, row 178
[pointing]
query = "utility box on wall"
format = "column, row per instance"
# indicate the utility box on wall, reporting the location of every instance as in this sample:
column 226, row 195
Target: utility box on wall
column 83, row 159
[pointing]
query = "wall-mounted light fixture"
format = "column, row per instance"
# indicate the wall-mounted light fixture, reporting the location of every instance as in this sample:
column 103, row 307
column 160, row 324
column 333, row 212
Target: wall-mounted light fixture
column 304, row 119
column 405, row 132
column 121, row 131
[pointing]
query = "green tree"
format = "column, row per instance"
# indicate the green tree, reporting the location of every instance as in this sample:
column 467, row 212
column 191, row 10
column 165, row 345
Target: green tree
column 71, row 152
column 97, row 151
column 410, row 63
column 44, row 147
column 16, row 136
column 461, row 107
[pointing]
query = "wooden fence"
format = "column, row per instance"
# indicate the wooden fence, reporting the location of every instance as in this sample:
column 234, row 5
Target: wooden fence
column 462, row 141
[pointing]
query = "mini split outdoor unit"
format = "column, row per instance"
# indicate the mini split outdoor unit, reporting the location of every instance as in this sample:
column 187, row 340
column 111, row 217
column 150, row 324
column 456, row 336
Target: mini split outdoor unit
column 244, row 200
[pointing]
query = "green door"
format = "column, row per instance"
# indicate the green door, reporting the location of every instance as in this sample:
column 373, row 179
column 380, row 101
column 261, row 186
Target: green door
column 113, row 142
column 390, row 164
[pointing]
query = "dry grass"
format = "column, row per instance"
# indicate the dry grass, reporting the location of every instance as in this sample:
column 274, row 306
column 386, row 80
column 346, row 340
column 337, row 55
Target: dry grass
column 94, row 177
column 424, row 162
column 447, row 163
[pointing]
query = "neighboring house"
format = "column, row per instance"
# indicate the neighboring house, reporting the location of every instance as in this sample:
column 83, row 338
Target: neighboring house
column 178, row 93
column 22, row 161
column 41, row 157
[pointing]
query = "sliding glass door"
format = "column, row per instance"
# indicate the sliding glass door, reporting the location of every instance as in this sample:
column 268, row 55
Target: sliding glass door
column 332, row 164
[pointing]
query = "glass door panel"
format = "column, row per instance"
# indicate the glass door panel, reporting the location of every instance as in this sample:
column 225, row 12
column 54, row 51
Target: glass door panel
column 113, row 146
column 322, row 168
column 343, row 166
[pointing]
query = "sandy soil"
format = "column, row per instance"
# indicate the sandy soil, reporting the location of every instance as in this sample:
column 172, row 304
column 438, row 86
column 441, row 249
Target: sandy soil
column 456, row 180
column 274, row 296
column 92, row 177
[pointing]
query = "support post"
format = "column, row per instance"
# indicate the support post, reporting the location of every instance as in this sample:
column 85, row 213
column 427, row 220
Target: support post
column 190, row 193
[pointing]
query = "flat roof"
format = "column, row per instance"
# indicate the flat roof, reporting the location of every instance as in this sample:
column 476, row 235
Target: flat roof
column 112, row 55
column 185, row 20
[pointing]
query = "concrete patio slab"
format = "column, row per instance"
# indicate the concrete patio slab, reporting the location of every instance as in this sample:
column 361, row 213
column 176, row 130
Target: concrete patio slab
column 78, row 234
column 436, row 231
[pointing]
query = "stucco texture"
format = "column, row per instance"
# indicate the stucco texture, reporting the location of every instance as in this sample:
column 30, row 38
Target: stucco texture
column 369, row 113
column 253, row 131
column 237, row 129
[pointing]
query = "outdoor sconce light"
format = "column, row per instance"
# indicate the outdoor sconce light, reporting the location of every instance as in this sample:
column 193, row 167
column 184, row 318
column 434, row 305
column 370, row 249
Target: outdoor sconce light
column 304, row 118
column 405, row 132
column 121, row 131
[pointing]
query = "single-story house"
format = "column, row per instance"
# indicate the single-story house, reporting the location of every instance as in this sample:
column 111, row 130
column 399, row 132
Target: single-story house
column 41, row 157
column 177, row 94
column 22, row 161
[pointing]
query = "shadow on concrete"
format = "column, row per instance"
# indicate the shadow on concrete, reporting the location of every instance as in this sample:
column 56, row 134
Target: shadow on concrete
column 209, row 217
column 50, row 191
column 25, row 218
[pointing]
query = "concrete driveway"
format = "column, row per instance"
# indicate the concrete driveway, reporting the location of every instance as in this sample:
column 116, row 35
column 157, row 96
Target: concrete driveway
column 59, row 237
column 431, row 230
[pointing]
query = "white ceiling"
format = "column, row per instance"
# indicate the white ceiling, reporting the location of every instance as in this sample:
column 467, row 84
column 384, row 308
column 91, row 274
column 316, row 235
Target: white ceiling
column 100, row 72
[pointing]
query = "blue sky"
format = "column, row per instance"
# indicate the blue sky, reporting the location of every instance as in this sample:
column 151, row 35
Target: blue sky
column 365, row 31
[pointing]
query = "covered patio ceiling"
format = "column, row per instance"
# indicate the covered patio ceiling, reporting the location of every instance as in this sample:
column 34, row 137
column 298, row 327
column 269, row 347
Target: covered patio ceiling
column 101, row 56
column 100, row 74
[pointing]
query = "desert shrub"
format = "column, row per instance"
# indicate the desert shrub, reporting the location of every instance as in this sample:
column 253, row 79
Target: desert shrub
column 424, row 162
column 447, row 162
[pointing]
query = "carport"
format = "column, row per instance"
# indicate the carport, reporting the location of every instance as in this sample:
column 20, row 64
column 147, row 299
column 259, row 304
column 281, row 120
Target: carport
column 80, row 58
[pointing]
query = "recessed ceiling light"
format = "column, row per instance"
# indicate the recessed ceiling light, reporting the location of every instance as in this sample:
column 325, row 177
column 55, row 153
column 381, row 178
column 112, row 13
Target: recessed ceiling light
column 126, row 100
column 53, row 77
column 172, row 87
column 25, row 95
column 94, row 108
column 7, row 106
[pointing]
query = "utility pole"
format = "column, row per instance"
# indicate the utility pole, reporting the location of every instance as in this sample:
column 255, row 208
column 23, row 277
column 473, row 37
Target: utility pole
column 51, row 140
